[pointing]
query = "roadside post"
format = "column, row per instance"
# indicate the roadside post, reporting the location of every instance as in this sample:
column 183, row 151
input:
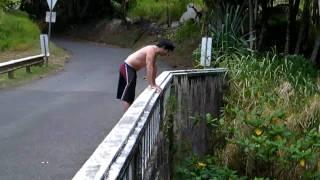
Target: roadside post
column 50, row 16
column 45, row 40
column 44, row 44
column 206, row 46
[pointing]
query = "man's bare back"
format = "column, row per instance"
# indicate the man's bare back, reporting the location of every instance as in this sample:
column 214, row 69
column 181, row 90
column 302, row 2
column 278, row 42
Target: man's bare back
column 138, row 59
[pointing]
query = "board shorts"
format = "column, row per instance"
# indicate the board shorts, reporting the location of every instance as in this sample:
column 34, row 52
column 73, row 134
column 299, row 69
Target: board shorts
column 127, row 83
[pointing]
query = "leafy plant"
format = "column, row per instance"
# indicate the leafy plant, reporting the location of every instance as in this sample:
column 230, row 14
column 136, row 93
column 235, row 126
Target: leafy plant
column 10, row 4
column 225, row 28
column 270, row 148
column 197, row 168
column 271, row 110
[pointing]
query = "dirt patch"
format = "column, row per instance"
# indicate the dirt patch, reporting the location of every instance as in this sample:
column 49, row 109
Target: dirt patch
column 11, row 55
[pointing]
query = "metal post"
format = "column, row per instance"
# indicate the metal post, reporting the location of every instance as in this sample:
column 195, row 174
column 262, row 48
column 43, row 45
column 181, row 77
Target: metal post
column 205, row 56
column 50, row 19
column 49, row 33
column 45, row 51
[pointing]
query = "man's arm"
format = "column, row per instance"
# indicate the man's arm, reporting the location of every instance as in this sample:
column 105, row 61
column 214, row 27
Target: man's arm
column 152, row 71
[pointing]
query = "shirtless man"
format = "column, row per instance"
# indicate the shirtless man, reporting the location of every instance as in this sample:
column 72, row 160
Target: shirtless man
column 144, row 57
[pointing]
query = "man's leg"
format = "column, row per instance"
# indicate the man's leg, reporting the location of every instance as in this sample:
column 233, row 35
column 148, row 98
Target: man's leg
column 126, row 105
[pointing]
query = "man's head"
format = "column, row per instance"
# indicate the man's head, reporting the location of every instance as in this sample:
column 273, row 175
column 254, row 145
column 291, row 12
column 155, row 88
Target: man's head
column 166, row 45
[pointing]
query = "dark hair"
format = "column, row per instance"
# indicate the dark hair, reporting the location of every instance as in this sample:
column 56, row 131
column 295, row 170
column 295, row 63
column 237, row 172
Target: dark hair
column 166, row 44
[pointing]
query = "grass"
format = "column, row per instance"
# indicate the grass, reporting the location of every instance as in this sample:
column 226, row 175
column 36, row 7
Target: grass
column 17, row 32
column 262, row 85
column 57, row 60
column 19, row 38
column 22, row 77
column 269, row 126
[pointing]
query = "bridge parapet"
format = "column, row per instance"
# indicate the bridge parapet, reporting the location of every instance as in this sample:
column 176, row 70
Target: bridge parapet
column 138, row 147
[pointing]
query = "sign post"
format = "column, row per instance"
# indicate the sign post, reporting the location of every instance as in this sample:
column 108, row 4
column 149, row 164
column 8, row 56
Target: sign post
column 45, row 39
column 44, row 44
column 51, row 4
column 206, row 46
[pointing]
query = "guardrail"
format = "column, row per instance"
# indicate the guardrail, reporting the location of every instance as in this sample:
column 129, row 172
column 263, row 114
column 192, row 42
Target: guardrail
column 10, row 66
column 137, row 147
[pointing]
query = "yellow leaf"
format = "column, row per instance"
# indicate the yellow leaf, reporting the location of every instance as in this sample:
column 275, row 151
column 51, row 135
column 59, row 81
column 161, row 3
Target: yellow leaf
column 302, row 163
column 201, row 165
column 258, row 131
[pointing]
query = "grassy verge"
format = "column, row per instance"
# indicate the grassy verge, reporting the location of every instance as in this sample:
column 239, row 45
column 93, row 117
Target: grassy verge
column 269, row 126
column 19, row 38
column 17, row 32
column 56, row 62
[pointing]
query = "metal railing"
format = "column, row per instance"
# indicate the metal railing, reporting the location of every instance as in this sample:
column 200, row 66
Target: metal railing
column 137, row 148
column 10, row 66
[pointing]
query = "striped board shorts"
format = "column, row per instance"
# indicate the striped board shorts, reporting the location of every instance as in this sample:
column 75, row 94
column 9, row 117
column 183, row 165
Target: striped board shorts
column 127, row 83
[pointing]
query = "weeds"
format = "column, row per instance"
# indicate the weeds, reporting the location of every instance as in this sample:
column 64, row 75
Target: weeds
column 271, row 116
column 13, row 30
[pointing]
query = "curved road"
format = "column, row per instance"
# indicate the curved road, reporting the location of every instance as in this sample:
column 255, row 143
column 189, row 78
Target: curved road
column 50, row 127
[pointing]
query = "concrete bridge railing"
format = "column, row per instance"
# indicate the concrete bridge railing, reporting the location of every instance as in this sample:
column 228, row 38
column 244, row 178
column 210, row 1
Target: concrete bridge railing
column 138, row 146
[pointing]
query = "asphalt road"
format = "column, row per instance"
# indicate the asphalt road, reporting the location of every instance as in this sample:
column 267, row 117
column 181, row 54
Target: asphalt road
column 50, row 127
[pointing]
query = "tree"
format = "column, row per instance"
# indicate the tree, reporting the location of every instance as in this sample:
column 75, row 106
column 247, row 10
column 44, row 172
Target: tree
column 263, row 23
column 304, row 29
column 293, row 11
column 251, row 22
column 71, row 11
column 316, row 18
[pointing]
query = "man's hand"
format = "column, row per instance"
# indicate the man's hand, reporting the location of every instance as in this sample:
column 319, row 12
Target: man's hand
column 157, row 88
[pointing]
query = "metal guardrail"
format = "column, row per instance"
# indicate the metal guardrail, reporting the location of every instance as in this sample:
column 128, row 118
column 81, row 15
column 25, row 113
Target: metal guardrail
column 10, row 66
column 134, row 149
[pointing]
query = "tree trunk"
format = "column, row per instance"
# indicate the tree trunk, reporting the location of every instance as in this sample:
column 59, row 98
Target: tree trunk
column 251, row 24
column 316, row 20
column 293, row 10
column 84, row 9
column 255, row 10
column 264, row 24
column 303, row 33
column 315, row 50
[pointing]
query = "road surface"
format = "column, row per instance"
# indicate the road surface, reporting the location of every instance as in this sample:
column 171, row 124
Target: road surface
column 50, row 127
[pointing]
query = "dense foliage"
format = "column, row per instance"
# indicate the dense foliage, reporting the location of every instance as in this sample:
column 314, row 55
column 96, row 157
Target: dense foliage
column 69, row 12
column 269, row 127
column 160, row 10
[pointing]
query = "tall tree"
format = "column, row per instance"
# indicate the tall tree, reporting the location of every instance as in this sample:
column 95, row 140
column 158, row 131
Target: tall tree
column 251, row 22
column 71, row 11
column 293, row 11
column 265, row 5
column 304, row 28
column 316, row 47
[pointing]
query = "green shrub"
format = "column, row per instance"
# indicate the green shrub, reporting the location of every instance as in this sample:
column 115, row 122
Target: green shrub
column 271, row 116
column 159, row 10
column 17, row 32
column 265, row 88
column 189, row 30
column 9, row 4
column 196, row 168
column 271, row 149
